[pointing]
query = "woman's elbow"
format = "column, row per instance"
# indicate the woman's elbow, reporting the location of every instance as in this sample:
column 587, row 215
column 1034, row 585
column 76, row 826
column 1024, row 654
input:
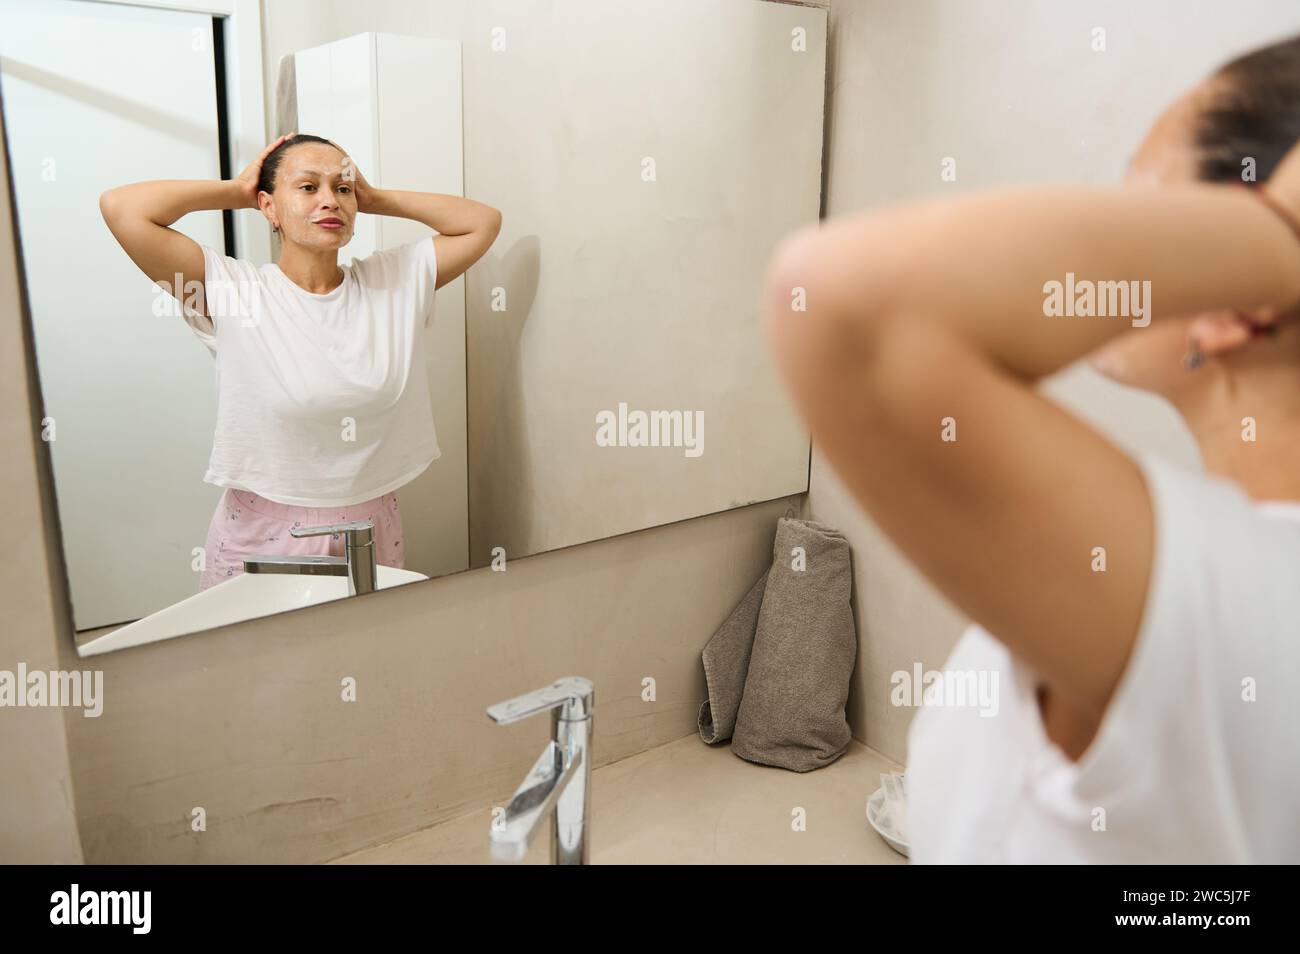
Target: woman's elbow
column 819, row 307
column 108, row 203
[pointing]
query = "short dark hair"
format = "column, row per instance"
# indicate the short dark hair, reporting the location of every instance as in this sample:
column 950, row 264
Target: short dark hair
column 1254, row 113
column 266, row 181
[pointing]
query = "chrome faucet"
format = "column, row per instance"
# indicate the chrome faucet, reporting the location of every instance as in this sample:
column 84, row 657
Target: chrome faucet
column 560, row 778
column 357, row 563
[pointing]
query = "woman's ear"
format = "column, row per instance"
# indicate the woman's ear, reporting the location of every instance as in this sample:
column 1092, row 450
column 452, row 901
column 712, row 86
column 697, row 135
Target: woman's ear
column 1219, row 332
column 266, row 204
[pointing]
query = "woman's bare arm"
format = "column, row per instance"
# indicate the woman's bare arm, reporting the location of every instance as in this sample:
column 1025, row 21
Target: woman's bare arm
column 139, row 214
column 466, row 228
column 978, row 264
column 934, row 313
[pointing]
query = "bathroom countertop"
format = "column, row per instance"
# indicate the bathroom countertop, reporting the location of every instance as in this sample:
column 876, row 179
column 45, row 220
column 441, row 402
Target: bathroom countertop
column 690, row 803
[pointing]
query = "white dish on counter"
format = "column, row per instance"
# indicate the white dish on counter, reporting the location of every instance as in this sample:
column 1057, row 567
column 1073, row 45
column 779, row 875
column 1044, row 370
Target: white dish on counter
column 883, row 825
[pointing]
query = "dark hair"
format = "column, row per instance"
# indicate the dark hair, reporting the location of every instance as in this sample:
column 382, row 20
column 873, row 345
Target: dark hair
column 266, row 181
column 1254, row 113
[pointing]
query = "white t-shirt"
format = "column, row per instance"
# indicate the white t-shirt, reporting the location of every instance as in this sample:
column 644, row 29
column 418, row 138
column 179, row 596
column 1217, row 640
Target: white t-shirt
column 322, row 400
column 1185, row 768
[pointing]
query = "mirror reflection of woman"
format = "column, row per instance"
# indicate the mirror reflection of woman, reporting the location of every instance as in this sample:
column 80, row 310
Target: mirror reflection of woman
column 323, row 408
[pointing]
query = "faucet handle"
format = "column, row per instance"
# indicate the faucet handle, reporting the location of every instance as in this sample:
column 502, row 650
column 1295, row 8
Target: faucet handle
column 353, row 526
column 574, row 693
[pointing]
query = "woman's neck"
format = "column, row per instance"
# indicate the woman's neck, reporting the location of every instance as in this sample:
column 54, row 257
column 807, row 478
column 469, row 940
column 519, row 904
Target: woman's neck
column 314, row 271
column 1248, row 429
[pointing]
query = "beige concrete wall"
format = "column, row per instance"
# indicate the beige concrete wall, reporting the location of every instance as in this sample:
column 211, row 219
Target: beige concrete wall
column 1012, row 90
column 37, row 810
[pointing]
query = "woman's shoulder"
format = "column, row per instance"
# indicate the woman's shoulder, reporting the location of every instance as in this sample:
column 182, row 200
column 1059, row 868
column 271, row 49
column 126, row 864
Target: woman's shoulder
column 220, row 264
column 977, row 648
column 1210, row 531
column 402, row 258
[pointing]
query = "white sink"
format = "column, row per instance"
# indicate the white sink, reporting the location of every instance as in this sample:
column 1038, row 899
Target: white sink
column 246, row 596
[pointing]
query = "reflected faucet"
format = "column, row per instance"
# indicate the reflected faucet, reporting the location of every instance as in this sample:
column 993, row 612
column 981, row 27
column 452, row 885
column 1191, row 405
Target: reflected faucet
column 560, row 778
column 357, row 563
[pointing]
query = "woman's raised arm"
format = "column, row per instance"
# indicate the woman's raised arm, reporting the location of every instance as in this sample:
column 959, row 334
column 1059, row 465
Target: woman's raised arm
column 139, row 216
column 914, row 363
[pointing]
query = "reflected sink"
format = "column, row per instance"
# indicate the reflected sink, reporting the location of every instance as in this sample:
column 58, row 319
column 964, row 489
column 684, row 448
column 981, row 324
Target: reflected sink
column 246, row 596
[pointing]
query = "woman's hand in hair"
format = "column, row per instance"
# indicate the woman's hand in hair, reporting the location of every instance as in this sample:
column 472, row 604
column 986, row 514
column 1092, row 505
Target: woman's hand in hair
column 363, row 190
column 247, row 180
column 1226, row 330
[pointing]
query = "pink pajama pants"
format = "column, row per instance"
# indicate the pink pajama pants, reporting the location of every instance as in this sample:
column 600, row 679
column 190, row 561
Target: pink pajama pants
column 245, row 523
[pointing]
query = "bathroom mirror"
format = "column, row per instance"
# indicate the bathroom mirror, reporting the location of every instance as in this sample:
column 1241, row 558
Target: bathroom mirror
column 601, row 369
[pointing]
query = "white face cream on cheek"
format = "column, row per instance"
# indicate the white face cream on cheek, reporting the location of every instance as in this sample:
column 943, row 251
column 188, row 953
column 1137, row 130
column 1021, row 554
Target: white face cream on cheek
column 300, row 219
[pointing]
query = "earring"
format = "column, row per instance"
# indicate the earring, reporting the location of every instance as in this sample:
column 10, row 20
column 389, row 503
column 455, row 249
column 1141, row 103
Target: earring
column 1194, row 357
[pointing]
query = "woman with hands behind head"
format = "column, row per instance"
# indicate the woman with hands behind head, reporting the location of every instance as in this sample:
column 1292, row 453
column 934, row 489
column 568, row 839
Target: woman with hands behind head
column 323, row 403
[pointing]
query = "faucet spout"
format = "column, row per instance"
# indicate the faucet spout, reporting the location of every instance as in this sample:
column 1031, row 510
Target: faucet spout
column 357, row 563
column 559, row 781
column 513, row 830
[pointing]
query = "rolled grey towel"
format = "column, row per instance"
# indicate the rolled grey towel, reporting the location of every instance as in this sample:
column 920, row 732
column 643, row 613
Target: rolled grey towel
column 726, row 660
column 792, row 707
